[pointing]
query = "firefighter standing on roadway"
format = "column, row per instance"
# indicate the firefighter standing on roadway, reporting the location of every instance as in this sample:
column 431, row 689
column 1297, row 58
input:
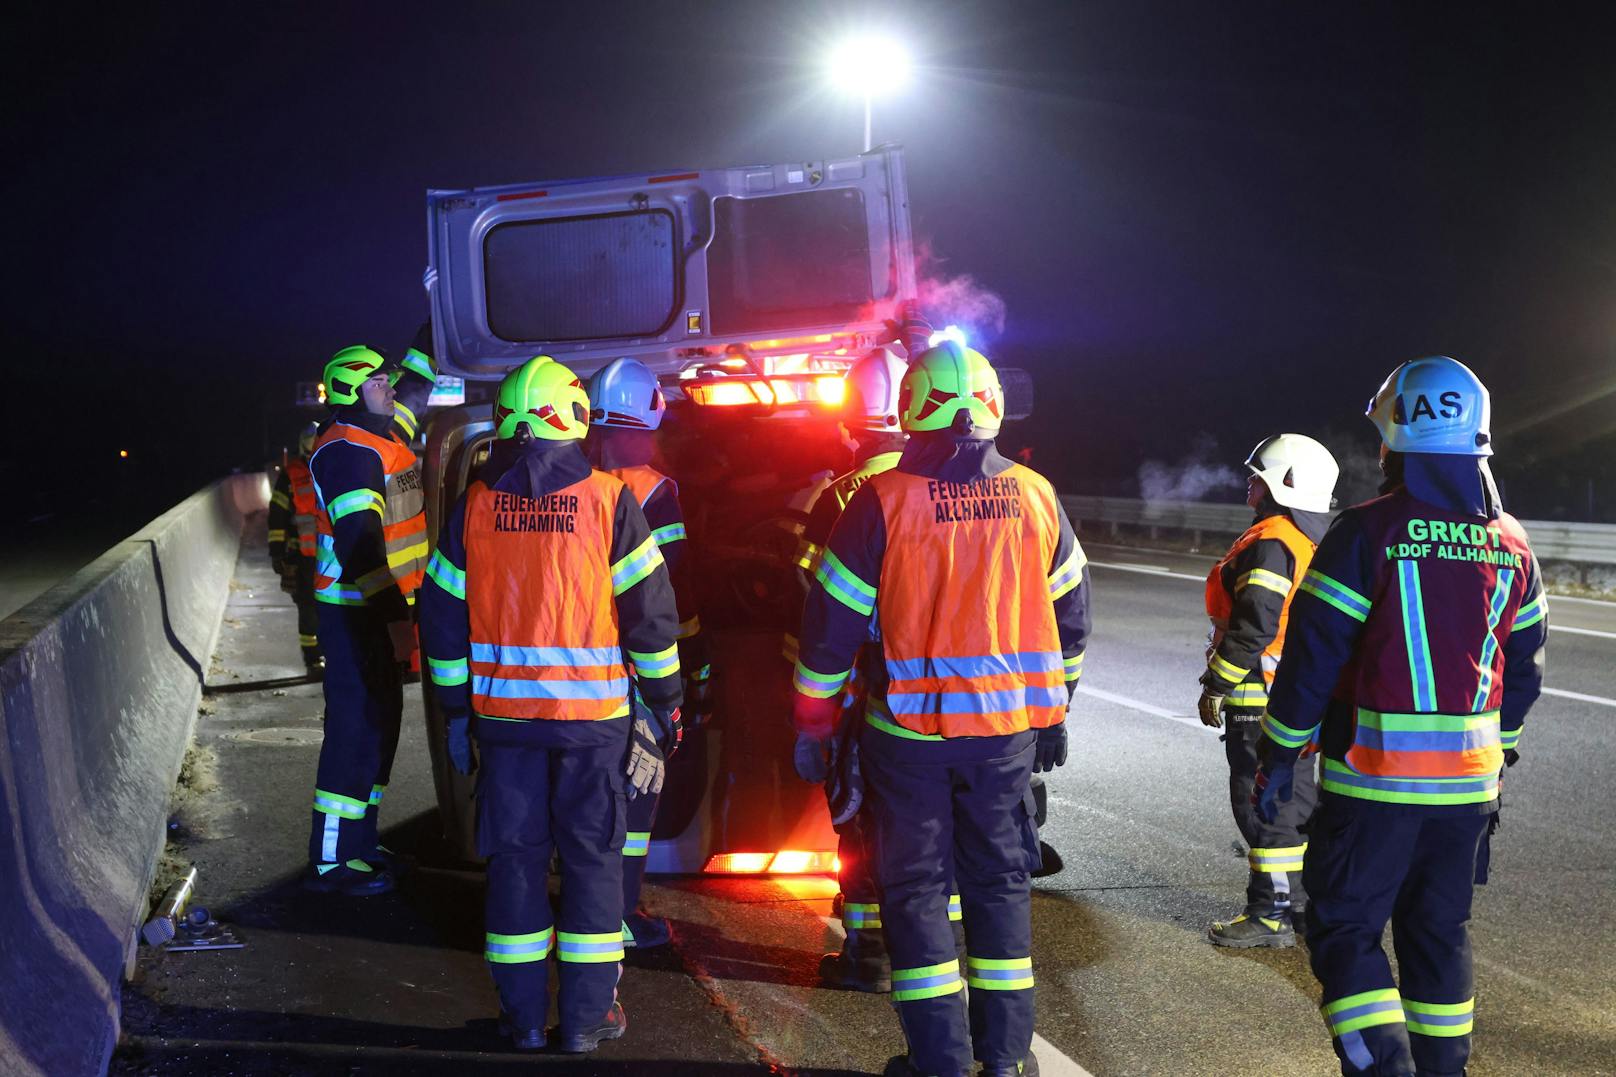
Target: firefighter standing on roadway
column 292, row 510
column 1414, row 652
column 626, row 408
column 965, row 568
column 871, row 419
column 545, row 580
column 371, row 547
column 1248, row 598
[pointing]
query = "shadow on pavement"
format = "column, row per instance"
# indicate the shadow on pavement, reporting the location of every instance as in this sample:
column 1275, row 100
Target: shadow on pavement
column 258, row 686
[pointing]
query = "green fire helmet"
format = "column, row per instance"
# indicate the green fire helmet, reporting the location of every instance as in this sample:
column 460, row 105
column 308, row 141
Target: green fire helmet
column 348, row 370
column 945, row 380
column 545, row 397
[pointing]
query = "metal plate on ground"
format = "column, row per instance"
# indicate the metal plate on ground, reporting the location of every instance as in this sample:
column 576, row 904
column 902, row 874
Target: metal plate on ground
column 283, row 736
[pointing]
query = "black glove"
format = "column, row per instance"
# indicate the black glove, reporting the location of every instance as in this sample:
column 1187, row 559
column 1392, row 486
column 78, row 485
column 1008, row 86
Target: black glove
column 669, row 729
column 1274, row 786
column 808, row 759
column 1511, row 757
column 458, row 741
column 1050, row 750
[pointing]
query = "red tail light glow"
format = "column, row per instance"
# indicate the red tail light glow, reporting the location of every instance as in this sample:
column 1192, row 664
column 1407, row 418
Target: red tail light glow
column 783, row 862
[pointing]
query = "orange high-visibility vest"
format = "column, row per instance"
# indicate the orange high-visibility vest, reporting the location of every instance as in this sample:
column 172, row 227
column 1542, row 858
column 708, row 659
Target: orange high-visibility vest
column 305, row 504
column 968, row 627
column 544, row 630
column 403, row 513
column 1220, row 602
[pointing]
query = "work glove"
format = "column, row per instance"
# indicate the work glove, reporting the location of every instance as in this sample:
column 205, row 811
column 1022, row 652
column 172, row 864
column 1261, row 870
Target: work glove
column 1049, row 751
column 815, row 717
column 646, row 763
column 1274, row 786
column 1511, row 757
column 844, row 787
column 810, row 758
column 667, row 725
column 457, row 737
column 1211, row 709
column 402, row 635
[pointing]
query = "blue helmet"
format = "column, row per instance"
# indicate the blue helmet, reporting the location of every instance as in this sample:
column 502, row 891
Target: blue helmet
column 1435, row 405
column 624, row 393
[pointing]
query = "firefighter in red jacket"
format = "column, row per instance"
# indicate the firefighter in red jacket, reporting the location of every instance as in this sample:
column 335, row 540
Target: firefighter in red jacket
column 1248, row 598
column 1413, row 653
column 626, row 408
column 871, row 420
column 546, row 594
column 370, row 550
column 965, row 569
column 293, row 508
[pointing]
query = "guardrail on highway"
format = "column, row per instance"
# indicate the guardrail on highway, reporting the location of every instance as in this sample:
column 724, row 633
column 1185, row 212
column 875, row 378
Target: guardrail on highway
column 100, row 678
column 1578, row 544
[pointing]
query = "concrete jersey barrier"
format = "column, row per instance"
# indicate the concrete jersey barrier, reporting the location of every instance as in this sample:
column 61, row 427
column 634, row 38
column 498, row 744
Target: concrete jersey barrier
column 100, row 678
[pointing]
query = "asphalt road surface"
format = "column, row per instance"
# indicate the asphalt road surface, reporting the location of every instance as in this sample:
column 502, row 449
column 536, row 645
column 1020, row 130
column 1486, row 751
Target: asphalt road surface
column 1127, row 983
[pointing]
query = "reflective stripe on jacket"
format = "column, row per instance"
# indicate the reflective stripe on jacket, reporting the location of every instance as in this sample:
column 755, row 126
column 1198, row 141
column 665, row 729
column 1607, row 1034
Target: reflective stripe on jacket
column 539, row 650
column 968, row 630
column 305, row 504
column 401, row 507
column 1224, row 586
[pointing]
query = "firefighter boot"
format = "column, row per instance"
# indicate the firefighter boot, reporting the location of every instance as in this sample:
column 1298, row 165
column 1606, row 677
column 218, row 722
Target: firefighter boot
column 1250, row 929
column 355, row 878
column 585, row 1040
column 646, row 932
column 862, row 964
column 523, row 1039
column 1026, row 1068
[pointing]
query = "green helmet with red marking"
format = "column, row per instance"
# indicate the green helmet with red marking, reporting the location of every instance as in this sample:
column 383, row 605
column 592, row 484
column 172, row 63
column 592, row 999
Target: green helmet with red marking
column 946, row 380
column 546, row 398
column 348, row 370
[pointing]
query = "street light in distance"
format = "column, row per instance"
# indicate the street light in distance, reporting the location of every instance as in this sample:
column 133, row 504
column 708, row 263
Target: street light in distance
column 868, row 67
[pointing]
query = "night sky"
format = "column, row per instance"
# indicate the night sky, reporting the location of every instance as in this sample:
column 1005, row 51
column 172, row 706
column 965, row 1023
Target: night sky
column 1207, row 223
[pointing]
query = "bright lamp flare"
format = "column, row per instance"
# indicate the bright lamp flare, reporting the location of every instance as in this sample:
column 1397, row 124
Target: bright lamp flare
column 870, row 66
column 953, row 332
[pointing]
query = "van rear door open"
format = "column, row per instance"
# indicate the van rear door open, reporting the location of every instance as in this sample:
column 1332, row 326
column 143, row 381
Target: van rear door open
column 668, row 267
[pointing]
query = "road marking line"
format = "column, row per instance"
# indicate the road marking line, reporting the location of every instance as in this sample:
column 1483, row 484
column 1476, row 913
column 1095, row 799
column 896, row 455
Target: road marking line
column 1563, row 694
column 1143, row 708
column 1605, row 602
column 1148, row 570
column 1554, row 628
column 1050, row 1058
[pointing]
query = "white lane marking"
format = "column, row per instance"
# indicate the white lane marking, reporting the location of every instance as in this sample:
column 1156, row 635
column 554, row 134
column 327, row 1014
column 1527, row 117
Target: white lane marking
column 1050, row 1058
column 1563, row 694
column 1554, row 628
column 1148, row 570
column 1605, row 602
column 1142, row 707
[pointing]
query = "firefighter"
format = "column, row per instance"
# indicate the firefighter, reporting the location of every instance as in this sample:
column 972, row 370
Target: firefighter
column 626, row 409
column 871, row 421
column 1248, row 597
column 1414, row 651
column 371, row 548
column 292, row 509
column 964, row 567
column 546, row 592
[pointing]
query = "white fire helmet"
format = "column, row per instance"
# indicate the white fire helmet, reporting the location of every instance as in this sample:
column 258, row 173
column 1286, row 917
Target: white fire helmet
column 1298, row 471
column 625, row 394
column 872, row 392
column 1434, row 405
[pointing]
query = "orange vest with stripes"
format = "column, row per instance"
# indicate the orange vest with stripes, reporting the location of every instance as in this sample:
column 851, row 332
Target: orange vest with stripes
column 403, row 520
column 968, row 629
column 544, row 631
column 305, row 503
column 1220, row 601
column 642, row 480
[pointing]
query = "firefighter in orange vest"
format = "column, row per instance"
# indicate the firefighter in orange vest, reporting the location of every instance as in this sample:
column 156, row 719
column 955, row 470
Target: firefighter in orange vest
column 370, row 550
column 546, row 594
column 292, row 510
column 1414, row 651
column 870, row 418
column 965, row 570
column 626, row 409
column 1248, row 597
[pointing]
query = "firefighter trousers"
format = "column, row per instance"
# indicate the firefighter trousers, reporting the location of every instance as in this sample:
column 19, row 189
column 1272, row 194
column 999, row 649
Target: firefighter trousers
column 969, row 801
column 364, row 704
column 308, row 613
column 1275, row 849
column 533, row 800
column 636, row 847
column 1368, row 863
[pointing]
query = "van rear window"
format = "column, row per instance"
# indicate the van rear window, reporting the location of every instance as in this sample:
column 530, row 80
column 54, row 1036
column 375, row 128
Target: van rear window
column 581, row 278
column 788, row 260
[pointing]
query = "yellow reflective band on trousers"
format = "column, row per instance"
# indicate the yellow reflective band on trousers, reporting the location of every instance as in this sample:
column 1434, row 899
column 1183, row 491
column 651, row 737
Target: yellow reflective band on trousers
column 1440, row 1018
column 517, row 949
column 999, row 973
column 1268, row 861
column 1363, row 1010
column 954, row 912
column 861, row 916
column 589, row 949
column 928, row 981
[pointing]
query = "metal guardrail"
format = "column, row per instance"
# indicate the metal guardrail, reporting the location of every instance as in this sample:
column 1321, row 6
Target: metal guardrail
column 1593, row 544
